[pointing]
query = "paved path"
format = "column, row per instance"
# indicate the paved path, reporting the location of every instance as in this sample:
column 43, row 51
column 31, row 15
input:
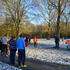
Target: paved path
column 37, row 65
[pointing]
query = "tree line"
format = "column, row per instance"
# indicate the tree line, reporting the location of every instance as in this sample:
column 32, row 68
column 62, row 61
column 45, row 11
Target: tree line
column 51, row 13
column 41, row 31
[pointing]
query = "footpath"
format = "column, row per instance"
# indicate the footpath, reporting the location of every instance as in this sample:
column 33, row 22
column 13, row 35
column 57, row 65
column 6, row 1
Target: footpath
column 33, row 64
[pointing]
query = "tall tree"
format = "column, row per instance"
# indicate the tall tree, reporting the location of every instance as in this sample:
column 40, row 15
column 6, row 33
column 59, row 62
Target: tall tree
column 60, row 6
column 16, row 9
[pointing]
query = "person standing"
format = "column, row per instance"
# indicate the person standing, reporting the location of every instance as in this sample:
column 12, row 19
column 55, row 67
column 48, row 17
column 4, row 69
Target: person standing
column 26, row 42
column 26, row 39
column 13, row 49
column 0, row 45
column 56, row 41
column 35, row 41
column 4, row 45
column 29, row 40
column 21, row 51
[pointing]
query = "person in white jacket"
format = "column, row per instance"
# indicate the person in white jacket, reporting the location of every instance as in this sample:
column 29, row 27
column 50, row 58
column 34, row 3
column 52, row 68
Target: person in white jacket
column 4, row 45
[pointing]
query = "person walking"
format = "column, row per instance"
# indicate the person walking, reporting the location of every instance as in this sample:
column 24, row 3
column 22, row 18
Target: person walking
column 13, row 49
column 21, row 51
column 35, row 41
column 4, row 45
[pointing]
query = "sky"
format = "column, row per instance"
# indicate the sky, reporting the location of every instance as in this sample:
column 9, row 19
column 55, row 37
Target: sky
column 34, row 14
column 38, row 17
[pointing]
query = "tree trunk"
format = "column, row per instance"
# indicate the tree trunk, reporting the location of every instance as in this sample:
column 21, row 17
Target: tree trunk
column 17, row 30
column 66, row 30
column 58, row 21
column 49, row 23
column 49, row 31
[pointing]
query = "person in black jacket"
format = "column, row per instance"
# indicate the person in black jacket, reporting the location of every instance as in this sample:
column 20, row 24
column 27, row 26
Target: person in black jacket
column 56, row 41
column 26, row 40
column 13, row 49
column 0, row 45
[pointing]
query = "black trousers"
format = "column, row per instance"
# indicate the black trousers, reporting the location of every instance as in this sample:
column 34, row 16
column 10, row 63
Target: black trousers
column 35, row 44
column 12, row 56
column 0, row 46
column 4, row 48
column 21, row 57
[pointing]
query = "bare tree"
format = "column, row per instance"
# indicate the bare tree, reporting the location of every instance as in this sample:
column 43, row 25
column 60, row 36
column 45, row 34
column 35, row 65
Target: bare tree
column 60, row 6
column 66, row 15
column 46, row 12
column 16, row 9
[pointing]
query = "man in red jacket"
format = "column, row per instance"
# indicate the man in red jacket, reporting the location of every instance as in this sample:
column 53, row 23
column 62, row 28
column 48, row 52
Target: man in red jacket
column 35, row 41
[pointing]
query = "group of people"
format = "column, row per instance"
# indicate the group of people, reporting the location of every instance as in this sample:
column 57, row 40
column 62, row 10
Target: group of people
column 14, row 45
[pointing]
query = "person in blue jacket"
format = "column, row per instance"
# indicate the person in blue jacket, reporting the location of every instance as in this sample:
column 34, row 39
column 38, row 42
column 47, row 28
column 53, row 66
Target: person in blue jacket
column 21, row 51
column 13, row 49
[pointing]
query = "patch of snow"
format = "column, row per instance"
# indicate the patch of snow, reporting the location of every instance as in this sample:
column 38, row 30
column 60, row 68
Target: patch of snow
column 49, row 55
column 4, row 66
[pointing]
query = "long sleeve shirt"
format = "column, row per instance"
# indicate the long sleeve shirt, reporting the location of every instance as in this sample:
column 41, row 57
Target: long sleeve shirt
column 20, row 44
column 4, row 40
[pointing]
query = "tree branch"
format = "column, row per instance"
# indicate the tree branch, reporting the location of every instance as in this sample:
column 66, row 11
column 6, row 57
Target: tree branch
column 54, row 5
column 64, row 6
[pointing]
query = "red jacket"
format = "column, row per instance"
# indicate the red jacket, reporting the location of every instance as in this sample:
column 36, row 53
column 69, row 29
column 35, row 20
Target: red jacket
column 35, row 40
column 68, row 42
column 26, row 44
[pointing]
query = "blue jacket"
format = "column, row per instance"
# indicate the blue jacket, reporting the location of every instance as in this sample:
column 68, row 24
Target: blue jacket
column 20, row 44
column 12, row 44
